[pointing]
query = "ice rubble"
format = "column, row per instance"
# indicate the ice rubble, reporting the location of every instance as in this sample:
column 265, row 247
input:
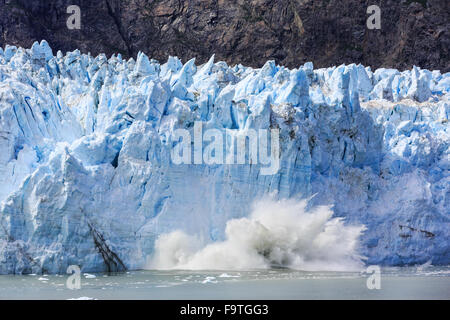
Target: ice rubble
column 86, row 176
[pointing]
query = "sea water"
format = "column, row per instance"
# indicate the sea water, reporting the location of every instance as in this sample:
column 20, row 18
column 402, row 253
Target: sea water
column 395, row 283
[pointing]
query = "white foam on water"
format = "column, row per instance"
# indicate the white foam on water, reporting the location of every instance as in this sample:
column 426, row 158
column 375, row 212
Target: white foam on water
column 226, row 275
column 424, row 266
column 276, row 234
column 210, row 280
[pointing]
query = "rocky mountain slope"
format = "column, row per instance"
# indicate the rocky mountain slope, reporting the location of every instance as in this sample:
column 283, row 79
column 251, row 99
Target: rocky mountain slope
column 250, row 32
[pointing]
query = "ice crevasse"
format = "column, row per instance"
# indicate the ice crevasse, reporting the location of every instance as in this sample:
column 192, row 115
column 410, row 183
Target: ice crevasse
column 86, row 176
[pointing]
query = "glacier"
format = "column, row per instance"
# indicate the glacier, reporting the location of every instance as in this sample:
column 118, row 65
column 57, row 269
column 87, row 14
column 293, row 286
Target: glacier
column 86, row 176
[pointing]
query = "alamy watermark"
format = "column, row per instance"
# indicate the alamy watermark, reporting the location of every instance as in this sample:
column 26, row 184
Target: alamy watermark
column 74, row 280
column 374, row 20
column 227, row 147
column 374, row 280
column 74, row 20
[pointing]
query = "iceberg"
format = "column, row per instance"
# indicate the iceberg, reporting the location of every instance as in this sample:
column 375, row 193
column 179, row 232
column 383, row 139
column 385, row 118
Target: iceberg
column 86, row 176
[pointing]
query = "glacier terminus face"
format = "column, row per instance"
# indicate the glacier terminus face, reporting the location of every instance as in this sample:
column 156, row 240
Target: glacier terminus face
column 88, row 177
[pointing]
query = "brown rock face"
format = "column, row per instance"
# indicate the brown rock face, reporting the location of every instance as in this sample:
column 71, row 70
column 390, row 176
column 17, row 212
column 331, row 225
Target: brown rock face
column 326, row 32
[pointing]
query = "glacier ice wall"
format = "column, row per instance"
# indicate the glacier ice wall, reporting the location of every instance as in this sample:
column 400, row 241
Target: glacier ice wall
column 86, row 176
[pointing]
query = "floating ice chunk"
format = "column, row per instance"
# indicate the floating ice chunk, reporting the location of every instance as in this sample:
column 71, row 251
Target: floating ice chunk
column 209, row 280
column 226, row 275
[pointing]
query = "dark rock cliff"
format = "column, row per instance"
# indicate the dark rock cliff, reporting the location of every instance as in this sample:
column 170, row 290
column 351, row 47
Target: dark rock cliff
column 326, row 32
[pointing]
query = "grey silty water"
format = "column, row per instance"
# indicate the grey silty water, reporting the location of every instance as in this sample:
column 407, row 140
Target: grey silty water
column 396, row 283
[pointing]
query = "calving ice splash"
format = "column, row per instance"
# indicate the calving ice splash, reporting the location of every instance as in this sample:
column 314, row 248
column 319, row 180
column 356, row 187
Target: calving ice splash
column 234, row 148
column 118, row 164
column 276, row 234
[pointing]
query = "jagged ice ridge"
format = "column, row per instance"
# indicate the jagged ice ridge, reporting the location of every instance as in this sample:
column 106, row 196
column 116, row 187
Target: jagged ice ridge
column 86, row 176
